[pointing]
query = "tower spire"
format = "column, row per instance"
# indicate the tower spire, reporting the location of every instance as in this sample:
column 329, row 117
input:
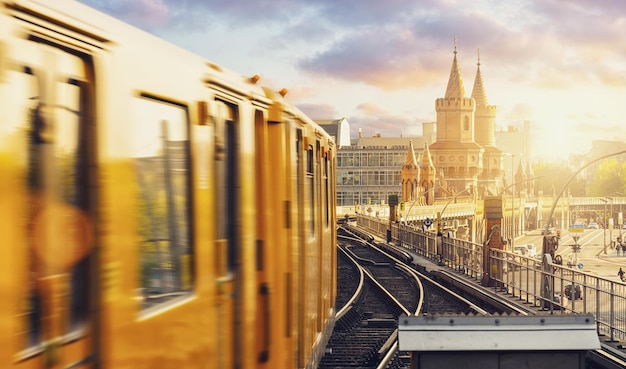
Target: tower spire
column 454, row 45
column 455, row 87
column 478, row 92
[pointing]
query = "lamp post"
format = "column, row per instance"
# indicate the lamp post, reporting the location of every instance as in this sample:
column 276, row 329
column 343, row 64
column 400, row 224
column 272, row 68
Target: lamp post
column 408, row 212
column 604, row 225
column 620, row 217
column 512, row 198
column 610, row 222
column 454, row 198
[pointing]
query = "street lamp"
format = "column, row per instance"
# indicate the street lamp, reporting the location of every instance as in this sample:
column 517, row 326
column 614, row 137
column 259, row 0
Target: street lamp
column 453, row 199
column 620, row 217
column 417, row 199
column 513, row 224
column 604, row 225
column 610, row 222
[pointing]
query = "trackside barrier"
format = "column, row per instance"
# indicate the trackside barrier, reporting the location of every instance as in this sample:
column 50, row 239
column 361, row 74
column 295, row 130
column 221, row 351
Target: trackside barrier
column 519, row 276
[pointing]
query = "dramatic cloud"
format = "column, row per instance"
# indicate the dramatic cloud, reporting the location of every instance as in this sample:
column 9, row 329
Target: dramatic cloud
column 142, row 13
column 389, row 63
column 319, row 111
column 193, row 14
column 382, row 64
column 372, row 119
column 403, row 43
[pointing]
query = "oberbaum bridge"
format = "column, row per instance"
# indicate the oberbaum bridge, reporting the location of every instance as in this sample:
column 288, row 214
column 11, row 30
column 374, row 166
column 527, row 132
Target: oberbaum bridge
column 472, row 234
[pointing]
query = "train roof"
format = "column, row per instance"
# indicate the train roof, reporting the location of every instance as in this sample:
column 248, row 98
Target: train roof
column 111, row 33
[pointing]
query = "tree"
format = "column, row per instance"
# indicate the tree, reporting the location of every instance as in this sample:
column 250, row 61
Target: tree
column 553, row 176
column 608, row 178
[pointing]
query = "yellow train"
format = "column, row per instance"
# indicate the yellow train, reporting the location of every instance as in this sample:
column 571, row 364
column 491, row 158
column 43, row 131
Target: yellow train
column 156, row 209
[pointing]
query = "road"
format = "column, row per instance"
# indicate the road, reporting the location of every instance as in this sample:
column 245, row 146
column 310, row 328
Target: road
column 591, row 255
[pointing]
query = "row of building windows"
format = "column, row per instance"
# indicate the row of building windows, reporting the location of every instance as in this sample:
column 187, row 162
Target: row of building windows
column 346, row 177
column 370, row 159
column 349, row 198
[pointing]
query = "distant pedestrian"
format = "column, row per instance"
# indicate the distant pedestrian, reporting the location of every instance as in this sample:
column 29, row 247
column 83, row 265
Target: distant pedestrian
column 570, row 262
column 618, row 248
column 621, row 274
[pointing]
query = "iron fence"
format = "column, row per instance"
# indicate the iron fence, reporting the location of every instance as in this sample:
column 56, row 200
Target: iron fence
column 545, row 285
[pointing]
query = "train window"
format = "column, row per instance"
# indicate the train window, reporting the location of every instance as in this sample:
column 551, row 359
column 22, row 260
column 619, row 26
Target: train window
column 48, row 117
column 326, row 191
column 226, row 182
column 161, row 161
column 310, row 179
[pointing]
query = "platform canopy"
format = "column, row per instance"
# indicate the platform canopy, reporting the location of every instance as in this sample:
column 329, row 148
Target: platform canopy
column 498, row 333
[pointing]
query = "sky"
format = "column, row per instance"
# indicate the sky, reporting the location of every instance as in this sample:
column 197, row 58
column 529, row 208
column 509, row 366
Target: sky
column 381, row 64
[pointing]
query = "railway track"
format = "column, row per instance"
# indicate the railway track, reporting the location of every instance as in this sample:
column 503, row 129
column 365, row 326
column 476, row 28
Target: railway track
column 366, row 328
column 383, row 289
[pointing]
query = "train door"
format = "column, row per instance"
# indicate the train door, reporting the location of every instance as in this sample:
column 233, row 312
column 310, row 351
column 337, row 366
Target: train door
column 51, row 102
column 226, row 233
column 265, row 243
column 300, row 249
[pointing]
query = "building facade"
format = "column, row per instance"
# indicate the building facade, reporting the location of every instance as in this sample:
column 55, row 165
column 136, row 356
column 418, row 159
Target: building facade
column 368, row 174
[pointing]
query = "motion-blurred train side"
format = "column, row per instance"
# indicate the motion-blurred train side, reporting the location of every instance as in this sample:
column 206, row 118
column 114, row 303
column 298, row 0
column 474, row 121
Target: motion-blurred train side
column 156, row 210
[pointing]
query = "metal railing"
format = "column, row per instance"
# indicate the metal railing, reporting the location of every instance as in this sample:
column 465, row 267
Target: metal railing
column 519, row 276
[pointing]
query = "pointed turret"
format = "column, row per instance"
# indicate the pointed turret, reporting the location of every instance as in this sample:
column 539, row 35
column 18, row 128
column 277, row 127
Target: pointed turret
column 455, row 87
column 529, row 170
column 410, row 160
column 427, row 161
column 410, row 175
column 478, row 92
column 427, row 176
column 520, row 177
column 485, row 115
column 455, row 111
column 530, row 186
column 485, row 133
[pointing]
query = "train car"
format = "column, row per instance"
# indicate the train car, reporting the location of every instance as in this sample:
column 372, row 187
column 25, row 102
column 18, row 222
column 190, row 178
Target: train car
column 156, row 210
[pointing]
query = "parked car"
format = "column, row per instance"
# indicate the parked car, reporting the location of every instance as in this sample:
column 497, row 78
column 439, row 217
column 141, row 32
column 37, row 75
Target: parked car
column 531, row 250
column 559, row 303
column 593, row 226
column 521, row 250
column 576, row 289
